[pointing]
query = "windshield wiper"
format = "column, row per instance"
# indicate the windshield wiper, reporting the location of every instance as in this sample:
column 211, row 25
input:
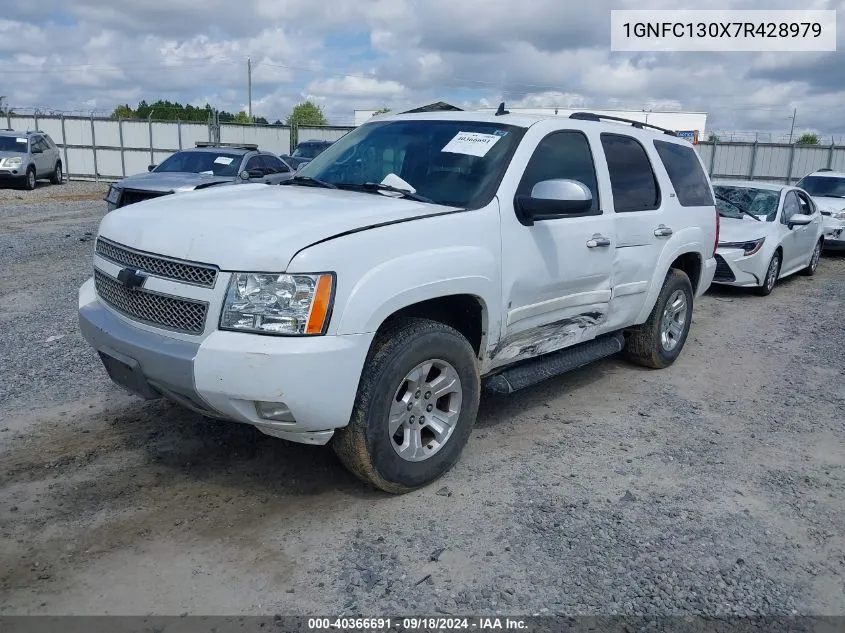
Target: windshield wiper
column 738, row 206
column 377, row 186
column 308, row 181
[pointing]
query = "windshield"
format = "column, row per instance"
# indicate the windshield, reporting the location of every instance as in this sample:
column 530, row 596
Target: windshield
column 760, row 202
column 216, row 163
column 308, row 151
column 452, row 163
column 13, row 144
column 823, row 186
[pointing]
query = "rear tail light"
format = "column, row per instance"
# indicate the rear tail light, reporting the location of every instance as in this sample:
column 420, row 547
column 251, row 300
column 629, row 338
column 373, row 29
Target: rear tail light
column 716, row 243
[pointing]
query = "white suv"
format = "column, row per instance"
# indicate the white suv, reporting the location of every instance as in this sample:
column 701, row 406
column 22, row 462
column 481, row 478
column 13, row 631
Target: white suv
column 422, row 256
column 827, row 188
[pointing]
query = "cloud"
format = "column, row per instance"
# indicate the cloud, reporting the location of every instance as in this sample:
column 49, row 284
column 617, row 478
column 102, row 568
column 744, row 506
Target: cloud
column 371, row 53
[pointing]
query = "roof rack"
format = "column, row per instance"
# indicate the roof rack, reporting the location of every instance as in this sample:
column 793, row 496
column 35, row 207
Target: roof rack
column 590, row 116
column 232, row 145
column 825, row 169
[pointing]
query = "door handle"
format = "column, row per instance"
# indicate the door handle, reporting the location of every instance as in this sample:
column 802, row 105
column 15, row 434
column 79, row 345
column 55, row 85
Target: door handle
column 662, row 231
column 598, row 240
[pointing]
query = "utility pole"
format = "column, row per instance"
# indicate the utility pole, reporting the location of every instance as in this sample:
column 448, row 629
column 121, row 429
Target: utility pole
column 792, row 128
column 249, row 85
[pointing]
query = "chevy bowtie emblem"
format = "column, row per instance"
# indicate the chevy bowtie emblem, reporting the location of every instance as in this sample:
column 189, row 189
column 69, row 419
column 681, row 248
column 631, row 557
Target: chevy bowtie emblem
column 131, row 278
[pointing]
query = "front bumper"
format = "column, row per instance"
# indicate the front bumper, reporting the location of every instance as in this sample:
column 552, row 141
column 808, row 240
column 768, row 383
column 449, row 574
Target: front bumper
column 834, row 235
column 733, row 268
column 225, row 373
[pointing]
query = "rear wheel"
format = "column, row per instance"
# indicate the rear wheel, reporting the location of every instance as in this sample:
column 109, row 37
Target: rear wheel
column 771, row 278
column 415, row 408
column 659, row 341
column 29, row 179
column 810, row 270
column 58, row 176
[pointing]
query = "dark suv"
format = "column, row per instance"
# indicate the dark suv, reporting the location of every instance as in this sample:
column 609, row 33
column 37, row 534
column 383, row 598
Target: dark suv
column 305, row 151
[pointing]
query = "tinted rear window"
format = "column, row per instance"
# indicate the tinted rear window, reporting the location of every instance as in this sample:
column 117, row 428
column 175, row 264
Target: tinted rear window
column 631, row 177
column 686, row 174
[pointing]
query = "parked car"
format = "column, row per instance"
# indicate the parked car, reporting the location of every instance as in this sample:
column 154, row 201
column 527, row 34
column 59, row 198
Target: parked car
column 306, row 151
column 768, row 232
column 26, row 157
column 206, row 165
column 367, row 300
column 827, row 189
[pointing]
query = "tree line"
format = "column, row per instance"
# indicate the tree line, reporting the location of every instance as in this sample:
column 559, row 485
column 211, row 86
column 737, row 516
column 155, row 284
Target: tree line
column 305, row 113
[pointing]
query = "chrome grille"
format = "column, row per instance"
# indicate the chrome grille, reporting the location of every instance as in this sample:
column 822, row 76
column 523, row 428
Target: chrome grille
column 172, row 313
column 196, row 274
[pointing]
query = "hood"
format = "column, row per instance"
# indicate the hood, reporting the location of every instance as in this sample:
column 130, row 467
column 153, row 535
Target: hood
column 169, row 181
column 8, row 154
column 744, row 230
column 252, row 227
column 831, row 205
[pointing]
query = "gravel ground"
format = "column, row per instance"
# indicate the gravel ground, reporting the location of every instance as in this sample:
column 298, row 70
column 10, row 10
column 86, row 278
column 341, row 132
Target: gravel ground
column 716, row 486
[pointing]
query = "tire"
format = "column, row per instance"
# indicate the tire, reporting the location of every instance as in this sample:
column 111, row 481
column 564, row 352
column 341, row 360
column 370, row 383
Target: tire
column 772, row 274
column 29, row 179
column 366, row 447
column 810, row 270
column 658, row 342
column 58, row 175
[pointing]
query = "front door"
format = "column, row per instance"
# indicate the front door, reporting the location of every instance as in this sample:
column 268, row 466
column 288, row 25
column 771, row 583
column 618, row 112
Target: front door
column 791, row 238
column 556, row 274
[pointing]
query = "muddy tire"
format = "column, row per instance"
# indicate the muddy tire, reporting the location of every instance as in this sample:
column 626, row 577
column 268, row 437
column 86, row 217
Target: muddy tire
column 771, row 278
column 810, row 270
column 659, row 341
column 416, row 368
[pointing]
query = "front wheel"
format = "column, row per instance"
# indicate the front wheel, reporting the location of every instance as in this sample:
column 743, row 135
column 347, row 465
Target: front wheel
column 810, row 270
column 29, row 179
column 659, row 341
column 771, row 278
column 415, row 408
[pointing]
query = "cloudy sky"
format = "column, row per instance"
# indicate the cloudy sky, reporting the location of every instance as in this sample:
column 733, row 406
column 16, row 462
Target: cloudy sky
column 83, row 55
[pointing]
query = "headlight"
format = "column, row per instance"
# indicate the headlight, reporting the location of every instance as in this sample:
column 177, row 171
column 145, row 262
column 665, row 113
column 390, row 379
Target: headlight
column 269, row 303
column 12, row 162
column 838, row 215
column 749, row 248
column 114, row 195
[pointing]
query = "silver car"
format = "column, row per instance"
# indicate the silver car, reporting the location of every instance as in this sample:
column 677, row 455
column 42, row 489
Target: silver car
column 207, row 165
column 26, row 157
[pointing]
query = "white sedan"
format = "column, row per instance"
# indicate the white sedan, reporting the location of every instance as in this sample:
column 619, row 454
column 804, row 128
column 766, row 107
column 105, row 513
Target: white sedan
column 767, row 232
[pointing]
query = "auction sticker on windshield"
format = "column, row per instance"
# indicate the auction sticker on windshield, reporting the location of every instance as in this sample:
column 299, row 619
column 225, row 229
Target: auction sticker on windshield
column 20, row 140
column 471, row 143
column 223, row 160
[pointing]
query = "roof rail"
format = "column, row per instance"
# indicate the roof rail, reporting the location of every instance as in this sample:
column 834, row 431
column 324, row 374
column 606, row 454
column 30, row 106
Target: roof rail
column 590, row 116
column 825, row 169
column 232, row 145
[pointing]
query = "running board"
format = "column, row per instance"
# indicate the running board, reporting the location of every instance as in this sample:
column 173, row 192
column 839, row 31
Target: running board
column 553, row 364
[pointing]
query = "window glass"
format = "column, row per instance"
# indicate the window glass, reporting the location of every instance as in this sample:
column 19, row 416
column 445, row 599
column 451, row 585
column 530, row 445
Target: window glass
column 562, row 155
column 631, row 177
column 275, row 164
column 791, row 206
column 686, row 174
column 255, row 163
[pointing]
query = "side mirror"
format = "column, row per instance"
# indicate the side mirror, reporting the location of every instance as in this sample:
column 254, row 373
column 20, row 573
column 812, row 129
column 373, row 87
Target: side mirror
column 256, row 173
column 37, row 150
column 552, row 199
column 799, row 219
column 151, row 167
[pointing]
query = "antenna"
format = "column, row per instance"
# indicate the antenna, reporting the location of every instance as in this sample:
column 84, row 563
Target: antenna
column 501, row 109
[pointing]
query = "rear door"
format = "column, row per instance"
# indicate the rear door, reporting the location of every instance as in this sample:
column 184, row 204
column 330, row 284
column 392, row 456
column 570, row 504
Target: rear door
column 556, row 272
column 642, row 226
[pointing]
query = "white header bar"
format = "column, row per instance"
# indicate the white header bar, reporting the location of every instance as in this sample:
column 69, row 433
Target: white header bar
column 722, row 30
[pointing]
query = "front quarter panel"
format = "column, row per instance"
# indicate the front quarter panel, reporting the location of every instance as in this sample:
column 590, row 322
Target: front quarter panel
column 383, row 269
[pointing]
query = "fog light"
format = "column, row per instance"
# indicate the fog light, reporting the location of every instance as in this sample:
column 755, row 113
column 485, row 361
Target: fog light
column 277, row 411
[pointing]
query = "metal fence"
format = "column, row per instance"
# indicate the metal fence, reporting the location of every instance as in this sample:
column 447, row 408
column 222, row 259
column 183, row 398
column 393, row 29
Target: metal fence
column 772, row 162
column 101, row 148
